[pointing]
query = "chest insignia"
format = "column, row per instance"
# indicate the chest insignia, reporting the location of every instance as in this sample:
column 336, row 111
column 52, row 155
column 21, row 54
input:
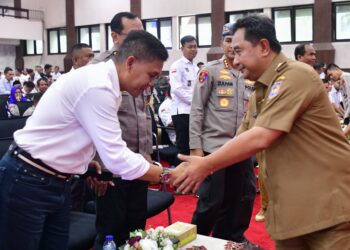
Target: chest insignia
column 224, row 102
column 275, row 89
column 224, row 72
column 187, row 70
column 203, row 75
column 225, row 77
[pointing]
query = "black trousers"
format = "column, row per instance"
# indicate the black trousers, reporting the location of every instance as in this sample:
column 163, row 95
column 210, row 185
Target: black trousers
column 225, row 202
column 121, row 210
column 181, row 124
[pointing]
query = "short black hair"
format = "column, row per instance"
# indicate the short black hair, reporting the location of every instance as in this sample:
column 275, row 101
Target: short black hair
column 187, row 39
column 300, row 50
column 258, row 27
column 16, row 82
column 47, row 66
column 7, row 69
column 142, row 45
column 41, row 79
column 29, row 84
column 116, row 22
column 78, row 46
column 332, row 66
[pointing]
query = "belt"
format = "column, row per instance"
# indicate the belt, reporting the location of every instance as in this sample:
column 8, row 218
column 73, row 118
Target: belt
column 24, row 156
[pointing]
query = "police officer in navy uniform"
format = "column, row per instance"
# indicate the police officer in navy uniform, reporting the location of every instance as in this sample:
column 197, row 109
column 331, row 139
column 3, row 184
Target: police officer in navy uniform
column 226, row 197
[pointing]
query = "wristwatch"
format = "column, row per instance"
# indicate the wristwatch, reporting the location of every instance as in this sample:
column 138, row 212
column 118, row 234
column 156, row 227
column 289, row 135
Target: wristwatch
column 164, row 177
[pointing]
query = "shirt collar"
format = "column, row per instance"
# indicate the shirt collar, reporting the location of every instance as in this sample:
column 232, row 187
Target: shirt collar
column 186, row 60
column 277, row 62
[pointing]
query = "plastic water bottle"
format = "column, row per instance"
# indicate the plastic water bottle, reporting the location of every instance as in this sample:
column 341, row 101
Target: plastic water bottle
column 109, row 243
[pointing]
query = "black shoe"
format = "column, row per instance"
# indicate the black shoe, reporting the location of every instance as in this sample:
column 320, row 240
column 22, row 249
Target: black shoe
column 249, row 245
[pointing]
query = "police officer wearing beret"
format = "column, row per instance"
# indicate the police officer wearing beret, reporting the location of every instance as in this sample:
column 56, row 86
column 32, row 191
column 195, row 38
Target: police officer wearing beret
column 226, row 197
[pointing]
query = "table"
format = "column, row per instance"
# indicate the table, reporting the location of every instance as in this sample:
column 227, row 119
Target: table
column 210, row 243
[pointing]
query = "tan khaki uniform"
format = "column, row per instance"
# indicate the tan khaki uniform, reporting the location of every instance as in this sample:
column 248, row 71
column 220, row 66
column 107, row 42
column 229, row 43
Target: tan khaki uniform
column 307, row 172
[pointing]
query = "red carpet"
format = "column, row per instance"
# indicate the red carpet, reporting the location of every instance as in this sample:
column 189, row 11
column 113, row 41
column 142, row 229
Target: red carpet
column 183, row 208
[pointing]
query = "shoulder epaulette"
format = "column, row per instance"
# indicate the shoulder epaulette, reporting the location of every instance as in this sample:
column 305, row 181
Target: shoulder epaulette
column 281, row 66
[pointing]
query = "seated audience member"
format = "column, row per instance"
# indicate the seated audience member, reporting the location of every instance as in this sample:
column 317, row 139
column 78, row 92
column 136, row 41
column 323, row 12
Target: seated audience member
column 31, row 74
column 36, row 100
column 28, row 88
column 6, row 82
column 24, row 76
column 305, row 53
column 38, row 73
column 335, row 98
column 48, row 70
column 17, row 83
column 56, row 74
column 15, row 97
column 165, row 116
column 42, row 85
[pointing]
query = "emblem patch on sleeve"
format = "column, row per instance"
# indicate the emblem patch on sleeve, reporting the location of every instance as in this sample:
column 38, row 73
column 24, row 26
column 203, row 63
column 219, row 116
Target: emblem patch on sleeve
column 275, row 89
column 203, row 75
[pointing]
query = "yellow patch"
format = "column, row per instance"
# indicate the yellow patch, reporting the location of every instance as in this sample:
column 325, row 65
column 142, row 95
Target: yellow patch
column 225, row 72
column 281, row 78
column 225, row 77
column 224, row 102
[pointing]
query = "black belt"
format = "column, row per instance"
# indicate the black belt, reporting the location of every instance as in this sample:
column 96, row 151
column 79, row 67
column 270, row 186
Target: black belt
column 24, row 156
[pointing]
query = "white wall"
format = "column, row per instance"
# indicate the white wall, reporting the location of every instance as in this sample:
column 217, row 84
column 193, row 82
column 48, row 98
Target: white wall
column 29, row 29
column 231, row 5
column 89, row 12
column 7, row 56
column 169, row 8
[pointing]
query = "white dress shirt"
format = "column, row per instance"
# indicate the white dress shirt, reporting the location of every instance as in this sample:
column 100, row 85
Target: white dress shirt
column 182, row 78
column 76, row 114
column 55, row 75
column 335, row 96
column 5, row 86
column 165, row 116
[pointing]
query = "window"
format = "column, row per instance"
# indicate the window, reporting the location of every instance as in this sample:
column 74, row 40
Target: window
column 197, row 26
column 109, row 39
column 342, row 21
column 33, row 47
column 57, row 41
column 160, row 28
column 232, row 17
column 294, row 24
column 90, row 35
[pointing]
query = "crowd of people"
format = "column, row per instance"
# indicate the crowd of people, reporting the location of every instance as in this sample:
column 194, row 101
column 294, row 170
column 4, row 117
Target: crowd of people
column 219, row 122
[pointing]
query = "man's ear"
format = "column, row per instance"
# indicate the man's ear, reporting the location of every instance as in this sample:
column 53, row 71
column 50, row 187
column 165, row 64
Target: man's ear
column 129, row 62
column 265, row 47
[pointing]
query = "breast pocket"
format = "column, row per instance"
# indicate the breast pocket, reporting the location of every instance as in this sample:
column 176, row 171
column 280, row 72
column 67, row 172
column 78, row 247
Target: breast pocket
column 124, row 105
column 224, row 99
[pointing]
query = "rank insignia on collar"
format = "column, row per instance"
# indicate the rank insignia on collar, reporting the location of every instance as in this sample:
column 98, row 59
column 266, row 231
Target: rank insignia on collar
column 275, row 89
column 203, row 75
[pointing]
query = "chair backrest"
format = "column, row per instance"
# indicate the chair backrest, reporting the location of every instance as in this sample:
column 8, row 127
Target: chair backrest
column 4, row 97
column 3, row 109
column 10, row 125
column 23, row 106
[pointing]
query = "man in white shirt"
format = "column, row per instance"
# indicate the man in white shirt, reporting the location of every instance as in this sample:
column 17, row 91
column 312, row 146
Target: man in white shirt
column 56, row 73
column 165, row 117
column 81, row 54
column 182, row 76
column 335, row 98
column 75, row 117
column 6, row 82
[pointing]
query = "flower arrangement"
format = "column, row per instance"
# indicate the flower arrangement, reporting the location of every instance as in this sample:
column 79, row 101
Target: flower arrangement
column 151, row 239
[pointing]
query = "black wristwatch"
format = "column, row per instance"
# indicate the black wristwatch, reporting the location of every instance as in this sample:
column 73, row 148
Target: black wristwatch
column 164, row 177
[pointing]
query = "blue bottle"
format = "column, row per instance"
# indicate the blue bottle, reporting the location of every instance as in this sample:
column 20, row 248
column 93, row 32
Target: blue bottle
column 109, row 243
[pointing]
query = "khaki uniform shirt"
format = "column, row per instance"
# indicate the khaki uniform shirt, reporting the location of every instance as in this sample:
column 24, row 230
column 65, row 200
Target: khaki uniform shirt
column 134, row 117
column 307, row 173
column 217, row 106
